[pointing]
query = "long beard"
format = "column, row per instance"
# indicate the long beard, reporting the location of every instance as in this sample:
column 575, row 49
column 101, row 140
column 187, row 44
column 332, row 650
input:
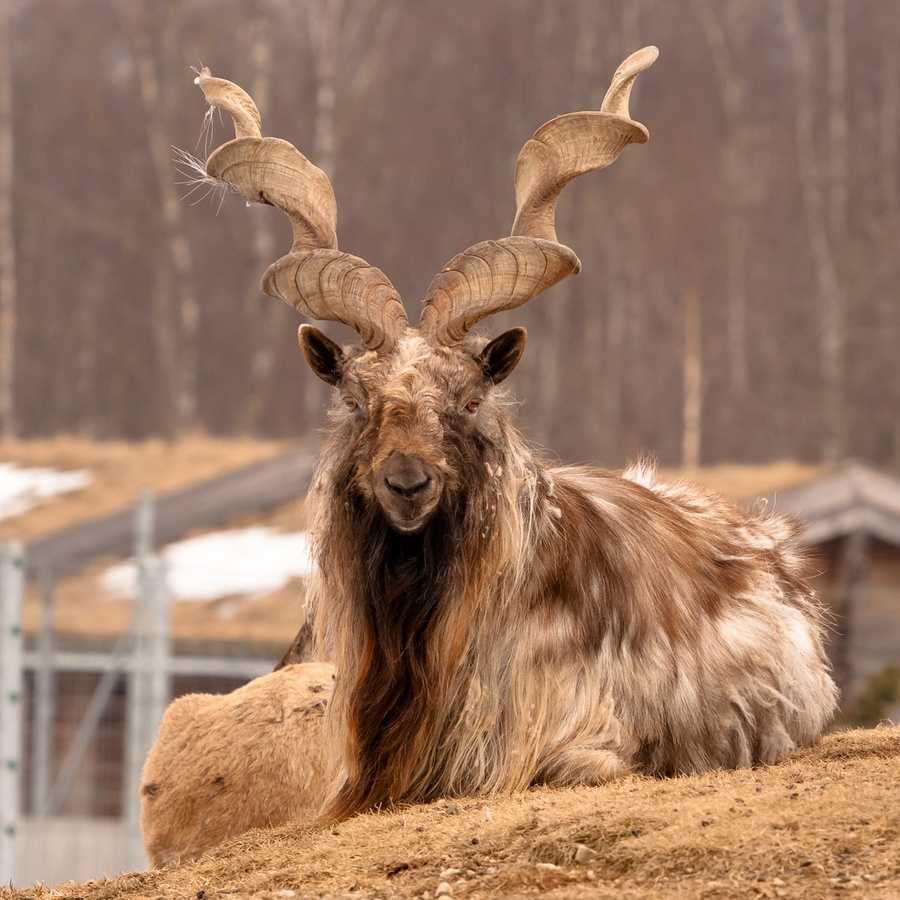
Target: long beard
column 408, row 586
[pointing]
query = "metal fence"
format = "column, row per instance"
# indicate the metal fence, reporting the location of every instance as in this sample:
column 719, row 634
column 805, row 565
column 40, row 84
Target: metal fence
column 11, row 689
column 76, row 725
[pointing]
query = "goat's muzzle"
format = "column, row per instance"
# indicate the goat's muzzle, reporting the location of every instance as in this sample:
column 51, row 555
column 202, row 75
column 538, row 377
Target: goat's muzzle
column 408, row 491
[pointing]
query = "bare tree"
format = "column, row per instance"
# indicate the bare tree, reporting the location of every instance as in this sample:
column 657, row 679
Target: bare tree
column 693, row 381
column 604, row 322
column 816, row 209
column 888, row 270
column 396, row 99
column 265, row 319
column 839, row 166
column 723, row 25
column 7, row 237
column 340, row 32
column 598, row 36
column 323, row 21
column 177, row 318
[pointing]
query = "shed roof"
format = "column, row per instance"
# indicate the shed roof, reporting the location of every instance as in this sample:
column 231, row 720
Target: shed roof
column 852, row 498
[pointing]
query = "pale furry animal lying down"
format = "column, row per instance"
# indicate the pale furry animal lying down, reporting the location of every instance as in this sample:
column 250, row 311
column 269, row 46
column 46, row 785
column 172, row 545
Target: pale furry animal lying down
column 223, row 764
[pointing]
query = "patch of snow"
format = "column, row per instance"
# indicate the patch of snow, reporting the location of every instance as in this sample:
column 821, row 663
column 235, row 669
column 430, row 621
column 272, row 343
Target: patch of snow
column 241, row 561
column 23, row 489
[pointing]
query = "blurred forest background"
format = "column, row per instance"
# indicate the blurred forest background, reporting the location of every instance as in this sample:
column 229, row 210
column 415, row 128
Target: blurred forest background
column 739, row 298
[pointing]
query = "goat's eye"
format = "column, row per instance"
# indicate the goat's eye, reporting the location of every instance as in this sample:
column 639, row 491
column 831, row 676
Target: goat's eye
column 472, row 405
column 350, row 403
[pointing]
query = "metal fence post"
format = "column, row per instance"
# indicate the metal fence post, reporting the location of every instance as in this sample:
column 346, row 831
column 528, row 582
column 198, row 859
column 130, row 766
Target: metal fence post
column 148, row 682
column 159, row 674
column 44, row 701
column 12, row 584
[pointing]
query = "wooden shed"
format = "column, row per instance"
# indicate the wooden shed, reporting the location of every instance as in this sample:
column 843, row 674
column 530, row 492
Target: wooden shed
column 852, row 523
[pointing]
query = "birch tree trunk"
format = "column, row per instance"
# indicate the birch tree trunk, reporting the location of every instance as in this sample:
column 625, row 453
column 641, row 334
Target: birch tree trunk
column 693, row 382
column 591, row 342
column 591, row 329
column 359, row 32
column 7, row 238
column 266, row 317
column 718, row 22
column 888, row 307
column 839, row 167
column 816, row 209
column 177, row 310
column 323, row 19
column 625, row 292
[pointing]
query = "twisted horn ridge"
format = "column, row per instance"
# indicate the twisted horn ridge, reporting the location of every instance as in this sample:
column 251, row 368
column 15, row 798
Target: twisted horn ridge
column 487, row 278
column 573, row 145
column 499, row 275
column 315, row 278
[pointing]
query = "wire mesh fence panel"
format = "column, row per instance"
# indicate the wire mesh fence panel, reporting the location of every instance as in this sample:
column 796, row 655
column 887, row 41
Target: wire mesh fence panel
column 91, row 707
column 81, row 832
column 11, row 690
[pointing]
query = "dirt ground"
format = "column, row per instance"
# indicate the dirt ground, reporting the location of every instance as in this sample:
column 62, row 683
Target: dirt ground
column 824, row 824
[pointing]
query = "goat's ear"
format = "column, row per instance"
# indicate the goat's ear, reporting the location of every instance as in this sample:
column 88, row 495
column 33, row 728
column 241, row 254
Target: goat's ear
column 502, row 355
column 324, row 356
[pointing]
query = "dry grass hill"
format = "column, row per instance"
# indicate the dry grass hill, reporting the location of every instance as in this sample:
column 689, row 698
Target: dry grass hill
column 119, row 472
column 824, row 824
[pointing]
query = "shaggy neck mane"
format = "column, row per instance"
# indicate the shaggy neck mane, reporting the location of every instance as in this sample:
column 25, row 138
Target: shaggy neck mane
column 414, row 600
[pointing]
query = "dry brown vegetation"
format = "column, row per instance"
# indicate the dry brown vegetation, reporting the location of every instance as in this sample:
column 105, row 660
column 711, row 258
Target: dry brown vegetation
column 83, row 608
column 824, row 824
column 739, row 482
column 120, row 471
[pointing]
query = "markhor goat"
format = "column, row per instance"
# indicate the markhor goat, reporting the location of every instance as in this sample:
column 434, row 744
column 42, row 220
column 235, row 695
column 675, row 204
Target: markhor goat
column 496, row 621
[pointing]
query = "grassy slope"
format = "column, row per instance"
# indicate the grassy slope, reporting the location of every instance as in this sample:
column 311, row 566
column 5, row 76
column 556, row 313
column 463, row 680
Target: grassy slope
column 824, row 824
column 120, row 471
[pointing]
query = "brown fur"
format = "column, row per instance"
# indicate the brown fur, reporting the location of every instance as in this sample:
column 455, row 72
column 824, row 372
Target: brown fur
column 545, row 624
column 495, row 620
column 223, row 764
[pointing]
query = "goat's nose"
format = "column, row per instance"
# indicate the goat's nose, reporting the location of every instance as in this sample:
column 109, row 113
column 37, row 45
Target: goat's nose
column 406, row 475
